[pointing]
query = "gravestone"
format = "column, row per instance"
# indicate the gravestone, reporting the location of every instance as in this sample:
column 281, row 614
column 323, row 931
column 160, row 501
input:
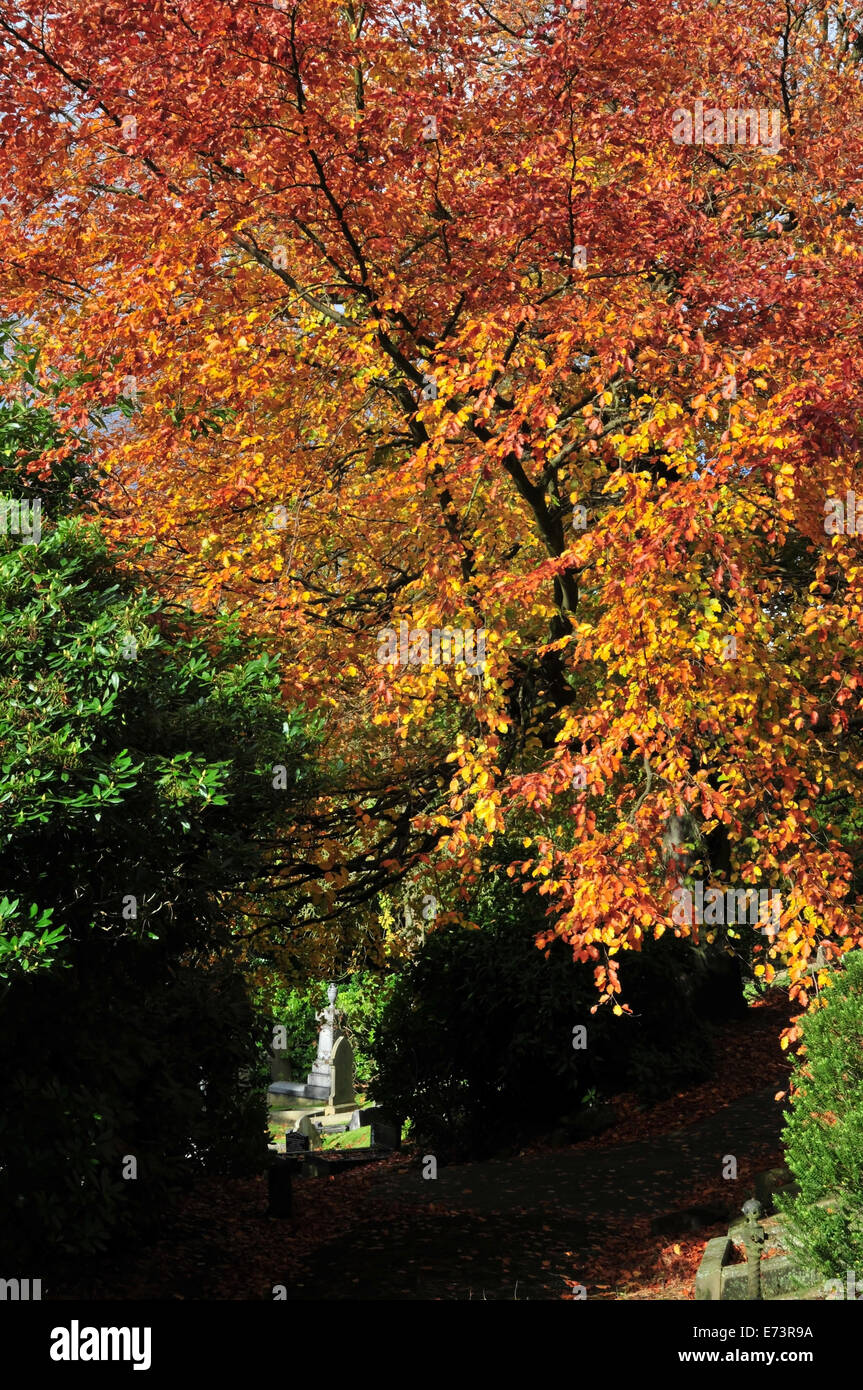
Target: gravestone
column 386, row 1130
column 296, row 1143
column 342, row 1073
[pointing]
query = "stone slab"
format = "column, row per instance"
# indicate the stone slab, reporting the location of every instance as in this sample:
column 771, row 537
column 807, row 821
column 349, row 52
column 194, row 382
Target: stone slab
column 280, row 1093
column 779, row 1275
column 338, row 1161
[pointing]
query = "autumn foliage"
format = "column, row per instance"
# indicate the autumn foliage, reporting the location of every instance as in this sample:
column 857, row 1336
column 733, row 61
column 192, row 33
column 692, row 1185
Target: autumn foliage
column 418, row 313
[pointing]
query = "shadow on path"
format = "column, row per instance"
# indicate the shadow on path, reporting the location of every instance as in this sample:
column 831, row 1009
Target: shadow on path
column 517, row 1227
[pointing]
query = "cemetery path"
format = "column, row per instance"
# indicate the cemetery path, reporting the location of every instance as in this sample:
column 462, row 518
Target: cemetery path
column 531, row 1225
column 647, row 1178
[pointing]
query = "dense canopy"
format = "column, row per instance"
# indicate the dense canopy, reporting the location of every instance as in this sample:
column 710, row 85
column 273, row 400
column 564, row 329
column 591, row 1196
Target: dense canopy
column 427, row 314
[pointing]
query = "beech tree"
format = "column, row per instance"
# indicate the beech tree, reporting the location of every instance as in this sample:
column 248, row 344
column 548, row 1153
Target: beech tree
column 538, row 323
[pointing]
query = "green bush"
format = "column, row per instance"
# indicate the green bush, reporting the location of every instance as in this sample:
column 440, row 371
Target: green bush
column 295, row 1010
column 824, row 1132
column 135, row 756
column 363, row 1000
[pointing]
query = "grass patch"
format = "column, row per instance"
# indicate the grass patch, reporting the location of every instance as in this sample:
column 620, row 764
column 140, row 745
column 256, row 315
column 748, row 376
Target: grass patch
column 351, row 1139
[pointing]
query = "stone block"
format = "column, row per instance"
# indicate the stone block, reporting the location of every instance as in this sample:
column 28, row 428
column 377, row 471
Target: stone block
column 386, row 1133
column 386, row 1128
column 708, row 1280
column 780, row 1275
column 735, row 1282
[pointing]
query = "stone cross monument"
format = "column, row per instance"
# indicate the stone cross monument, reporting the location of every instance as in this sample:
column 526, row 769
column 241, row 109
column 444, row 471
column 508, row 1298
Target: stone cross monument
column 327, row 1019
column 331, row 1078
column 319, row 1082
